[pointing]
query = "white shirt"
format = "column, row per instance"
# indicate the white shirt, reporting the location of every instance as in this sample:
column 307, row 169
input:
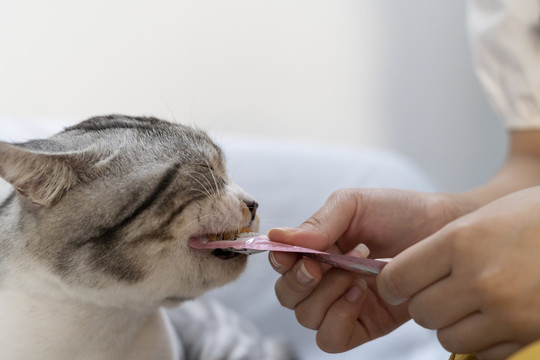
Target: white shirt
column 505, row 40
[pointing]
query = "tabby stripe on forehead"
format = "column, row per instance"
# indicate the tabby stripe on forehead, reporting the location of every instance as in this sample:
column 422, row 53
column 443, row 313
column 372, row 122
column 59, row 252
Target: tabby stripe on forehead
column 113, row 125
column 117, row 122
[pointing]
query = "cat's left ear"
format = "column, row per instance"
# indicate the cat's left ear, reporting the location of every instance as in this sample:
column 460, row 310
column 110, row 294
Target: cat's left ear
column 41, row 176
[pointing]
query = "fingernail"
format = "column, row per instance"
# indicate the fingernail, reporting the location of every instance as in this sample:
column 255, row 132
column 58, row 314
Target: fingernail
column 361, row 250
column 355, row 293
column 302, row 275
column 273, row 261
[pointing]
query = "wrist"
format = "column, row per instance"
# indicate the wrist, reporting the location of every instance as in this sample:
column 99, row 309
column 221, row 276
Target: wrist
column 455, row 205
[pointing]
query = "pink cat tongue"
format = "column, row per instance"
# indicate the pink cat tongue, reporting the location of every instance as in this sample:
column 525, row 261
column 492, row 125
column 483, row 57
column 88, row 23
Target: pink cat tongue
column 262, row 243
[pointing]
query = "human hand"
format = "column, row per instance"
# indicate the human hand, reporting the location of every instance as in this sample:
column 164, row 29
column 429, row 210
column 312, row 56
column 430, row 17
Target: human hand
column 343, row 307
column 475, row 280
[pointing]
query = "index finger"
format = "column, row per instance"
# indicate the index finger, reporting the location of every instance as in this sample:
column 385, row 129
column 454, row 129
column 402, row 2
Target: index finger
column 414, row 269
column 326, row 226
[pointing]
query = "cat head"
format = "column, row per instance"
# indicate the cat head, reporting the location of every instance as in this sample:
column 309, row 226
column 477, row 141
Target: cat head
column 104, row 211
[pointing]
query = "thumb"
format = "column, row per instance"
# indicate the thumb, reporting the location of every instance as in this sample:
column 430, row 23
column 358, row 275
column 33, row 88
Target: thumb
column 324, row 227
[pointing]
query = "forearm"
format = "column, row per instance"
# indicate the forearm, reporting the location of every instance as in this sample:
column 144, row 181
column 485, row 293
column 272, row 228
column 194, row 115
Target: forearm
column 520, row 170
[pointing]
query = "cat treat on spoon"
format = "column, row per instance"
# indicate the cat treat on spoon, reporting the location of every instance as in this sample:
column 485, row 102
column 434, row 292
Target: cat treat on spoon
column 247, row 242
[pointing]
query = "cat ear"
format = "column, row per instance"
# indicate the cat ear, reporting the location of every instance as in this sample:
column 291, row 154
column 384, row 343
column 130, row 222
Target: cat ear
column 42, row 177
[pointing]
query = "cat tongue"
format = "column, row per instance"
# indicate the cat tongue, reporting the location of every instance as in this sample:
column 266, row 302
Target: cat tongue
column 253, row 242
column 259, row 243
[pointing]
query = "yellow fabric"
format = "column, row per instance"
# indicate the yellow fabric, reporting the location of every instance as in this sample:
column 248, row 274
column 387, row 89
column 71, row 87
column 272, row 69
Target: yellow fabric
column 531, row 352
column 462, row 357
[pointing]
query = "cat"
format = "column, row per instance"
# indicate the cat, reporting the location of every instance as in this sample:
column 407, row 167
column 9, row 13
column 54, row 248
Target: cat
column 94, row 237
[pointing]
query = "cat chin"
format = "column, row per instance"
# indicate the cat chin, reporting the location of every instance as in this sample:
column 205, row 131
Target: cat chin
column 219, row 272
column 225, row 254
column 174, row 301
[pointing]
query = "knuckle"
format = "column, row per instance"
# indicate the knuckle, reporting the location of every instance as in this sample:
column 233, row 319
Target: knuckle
column 313, row 222
column 340, row 200
column 307, row 318
column 500, row 300
column 328, row 343
column 468, row 234
column 490, row 289
column 343, row 195
column 283, row 302
column 283, row 294
column 417, row 313
column 423, row 322
column 460, row 236
column 339, row 194
column 343, row 315
column 452, row 341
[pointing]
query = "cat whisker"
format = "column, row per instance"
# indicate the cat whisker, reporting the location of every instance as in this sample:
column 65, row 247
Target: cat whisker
column 214, row 178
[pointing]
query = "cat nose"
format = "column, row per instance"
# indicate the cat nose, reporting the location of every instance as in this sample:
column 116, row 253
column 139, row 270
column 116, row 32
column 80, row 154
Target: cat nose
column 252, row 207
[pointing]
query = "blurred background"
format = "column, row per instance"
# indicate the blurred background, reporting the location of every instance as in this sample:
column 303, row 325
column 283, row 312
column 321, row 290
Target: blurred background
column 375, row 73
column 334, row 75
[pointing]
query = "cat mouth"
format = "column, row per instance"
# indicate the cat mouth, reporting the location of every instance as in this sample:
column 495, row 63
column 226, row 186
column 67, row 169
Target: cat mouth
column 228, row 235
column 225, row 236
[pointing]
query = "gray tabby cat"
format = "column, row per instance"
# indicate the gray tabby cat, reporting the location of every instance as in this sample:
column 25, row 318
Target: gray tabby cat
column 94, row 237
